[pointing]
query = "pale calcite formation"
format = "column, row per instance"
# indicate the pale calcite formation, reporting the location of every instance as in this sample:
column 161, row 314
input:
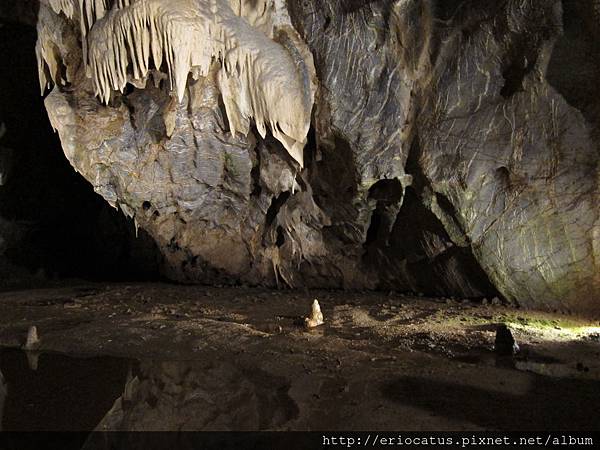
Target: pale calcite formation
column 265, row 76
column 316, row 316
column 33, row 340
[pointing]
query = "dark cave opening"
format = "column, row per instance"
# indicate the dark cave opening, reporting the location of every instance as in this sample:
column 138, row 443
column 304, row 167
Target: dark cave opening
column 420, row 245
column 388, row 196
column 374, row 227
column 574, row 60
column 412, row 247
column 514, row 76
column 52, row 223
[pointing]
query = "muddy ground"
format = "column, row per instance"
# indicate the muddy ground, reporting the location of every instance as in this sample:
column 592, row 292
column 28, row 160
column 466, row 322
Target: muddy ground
column 239, row 358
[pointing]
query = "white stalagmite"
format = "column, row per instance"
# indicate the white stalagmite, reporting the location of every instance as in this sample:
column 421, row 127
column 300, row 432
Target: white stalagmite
column 33, row 341
column 316, row 316
column 265, row 75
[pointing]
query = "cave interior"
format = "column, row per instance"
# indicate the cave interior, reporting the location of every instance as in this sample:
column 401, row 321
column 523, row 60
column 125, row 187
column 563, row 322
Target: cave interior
column 425, row 259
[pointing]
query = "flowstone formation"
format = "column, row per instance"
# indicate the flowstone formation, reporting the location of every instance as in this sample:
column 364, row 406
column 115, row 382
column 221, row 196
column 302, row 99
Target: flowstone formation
column 435, row 146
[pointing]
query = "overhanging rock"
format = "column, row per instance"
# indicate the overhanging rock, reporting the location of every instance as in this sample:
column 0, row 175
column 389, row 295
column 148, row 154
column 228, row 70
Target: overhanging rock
column 434, row 146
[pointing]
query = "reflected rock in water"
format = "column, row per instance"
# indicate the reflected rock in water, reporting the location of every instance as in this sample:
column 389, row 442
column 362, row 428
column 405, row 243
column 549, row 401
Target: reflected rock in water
column 200, row 396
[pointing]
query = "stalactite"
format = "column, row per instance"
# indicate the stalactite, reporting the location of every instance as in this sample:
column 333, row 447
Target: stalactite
column 260, row 79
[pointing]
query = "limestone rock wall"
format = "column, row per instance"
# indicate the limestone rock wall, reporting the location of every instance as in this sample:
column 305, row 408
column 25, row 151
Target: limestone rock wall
column 444, row 147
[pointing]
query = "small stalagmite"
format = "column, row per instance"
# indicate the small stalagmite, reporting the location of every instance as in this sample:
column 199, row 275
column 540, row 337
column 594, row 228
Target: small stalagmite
column 33, row 340
column 316, row 316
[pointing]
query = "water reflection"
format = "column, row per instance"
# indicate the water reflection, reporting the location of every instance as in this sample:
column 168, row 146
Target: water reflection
column 112, row 394
column 219, row 393
column 200, row 395
column 55, row 392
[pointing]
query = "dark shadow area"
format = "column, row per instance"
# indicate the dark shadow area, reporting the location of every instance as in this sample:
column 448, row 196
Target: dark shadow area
column 52, row 224
column 387, row 195
column 420, row 245
column 514, row 75
column 39, row 399
column 335, row 172
column 418, row 252
column 575, row 59
column 550, row 403
column 56, row 392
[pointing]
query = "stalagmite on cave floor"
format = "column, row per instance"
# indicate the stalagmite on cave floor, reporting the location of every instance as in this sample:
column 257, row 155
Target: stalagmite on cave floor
column 198, row 358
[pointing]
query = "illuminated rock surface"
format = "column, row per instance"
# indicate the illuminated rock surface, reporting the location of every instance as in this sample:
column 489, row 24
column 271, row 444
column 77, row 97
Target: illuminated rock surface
column 444, row 147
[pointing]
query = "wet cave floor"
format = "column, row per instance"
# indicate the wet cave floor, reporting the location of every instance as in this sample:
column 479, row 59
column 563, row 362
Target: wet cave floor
column 168, row 357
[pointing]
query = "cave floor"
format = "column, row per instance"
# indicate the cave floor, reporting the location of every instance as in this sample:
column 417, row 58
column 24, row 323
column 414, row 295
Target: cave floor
column 380, row 361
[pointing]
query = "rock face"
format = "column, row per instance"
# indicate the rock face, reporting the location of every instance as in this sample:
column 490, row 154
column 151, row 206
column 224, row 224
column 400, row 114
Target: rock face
column 451, row 149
